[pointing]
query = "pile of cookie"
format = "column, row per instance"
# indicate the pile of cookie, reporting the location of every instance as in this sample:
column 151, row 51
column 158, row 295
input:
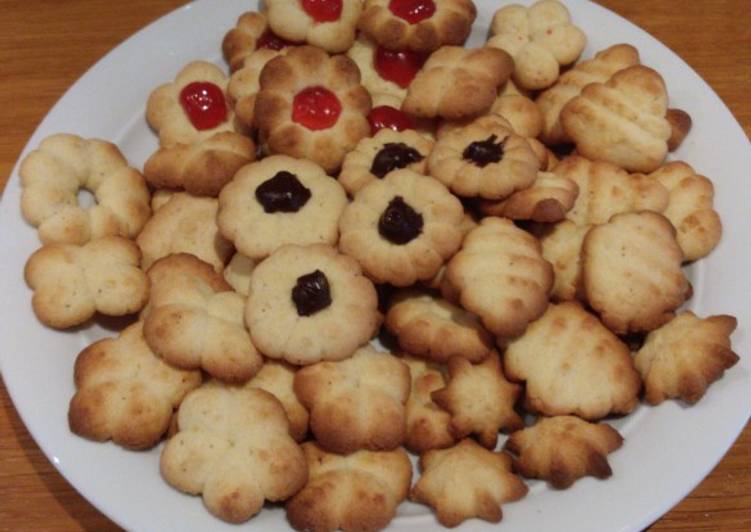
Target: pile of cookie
column 502, row 217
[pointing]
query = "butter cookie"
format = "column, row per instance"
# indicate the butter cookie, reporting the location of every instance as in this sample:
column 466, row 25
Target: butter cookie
column 233, row 448
column 72, row 283
column 563, row 449
column 466, row 481
column 357, row 403
column 485, row 158
column 422, row 26
column 312, row 106
column 479, row 399
column 357, row 492
column 631, row 272
column 195, row 320
column 402, row 228
column 587, row 371
column 681, row 359
column 63, row 164
column 280, row 200
column 310, row 303
column 124, row 392
column 500, row 276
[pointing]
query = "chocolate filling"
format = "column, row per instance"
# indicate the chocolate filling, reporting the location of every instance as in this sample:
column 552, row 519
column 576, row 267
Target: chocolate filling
column 311, row 293
column 393, row 156
column 282, row 193
column 400, row 223
column 484, row 152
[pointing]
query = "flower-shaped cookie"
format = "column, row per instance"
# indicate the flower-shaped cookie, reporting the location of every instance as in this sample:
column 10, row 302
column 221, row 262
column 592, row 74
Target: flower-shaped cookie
column 540, row 38
column 563, row 449
column 485, row 158
column 401, row 228
column 357, row 403
column 606, row 190
column 480, row 400
column 185, row 224
column 193, row 107
column 309, row 303
column 587, row 371
column 63, row 164
column 188, row 114
column 500, row 276
column 428, row 425
column 431, row 328
column 631, row 272
column 250, row 34
column 621, row 121
column 690, row 209
column 126, row 393
column 684, row 357
column 277, row 378
column 680, row 126
column 327, row 24
column 598, row 69
column 312, row 106
column 360, row 491
column 237, row 273
column 72, row 283
column 278, row 201
column 418, row 25
column 388, row 150
column 549, row 198
column 233, row 447
column 458, row 83
column 466, row 481
column 202, row 168
column 195, row 320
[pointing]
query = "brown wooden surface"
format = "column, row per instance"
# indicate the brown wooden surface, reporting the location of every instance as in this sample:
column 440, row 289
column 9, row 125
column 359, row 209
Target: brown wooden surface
column 45, row 45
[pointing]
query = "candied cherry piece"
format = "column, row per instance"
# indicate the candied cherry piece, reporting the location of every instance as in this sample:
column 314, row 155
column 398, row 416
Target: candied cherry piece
column 272, row 41
column 400, row 67
column 323, row 10
column 311, row 293
column 400, row 223
column 282, row 193
column 484, row 152
column 204, row 104
column 413, row 11
column 393, row 156
column 316, row 108
column 385, row 116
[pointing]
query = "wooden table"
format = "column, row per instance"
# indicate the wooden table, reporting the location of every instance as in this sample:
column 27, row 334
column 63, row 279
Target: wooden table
column 45, row 45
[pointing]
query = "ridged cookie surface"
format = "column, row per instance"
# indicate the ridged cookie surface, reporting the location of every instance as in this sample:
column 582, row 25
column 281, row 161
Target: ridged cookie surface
column 631, row 272
column 500, row 276
column 586, row 371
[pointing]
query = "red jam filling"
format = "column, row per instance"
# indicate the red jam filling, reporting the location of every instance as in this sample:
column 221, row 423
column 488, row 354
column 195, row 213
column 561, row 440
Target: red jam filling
column 413, row 11
column 204, row 104
column 323, row 10
column 389, row 117
column 399, row 67
column 271, row 40
column 316, row 108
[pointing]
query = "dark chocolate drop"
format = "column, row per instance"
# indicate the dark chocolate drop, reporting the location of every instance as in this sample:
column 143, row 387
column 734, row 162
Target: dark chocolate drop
column 311, row 293
column 484, row 152
column 393, row 156
column 400, row 223
column 282, row 193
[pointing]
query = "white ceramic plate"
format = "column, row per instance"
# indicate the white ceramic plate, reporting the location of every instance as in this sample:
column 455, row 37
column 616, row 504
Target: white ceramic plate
column 668, row 449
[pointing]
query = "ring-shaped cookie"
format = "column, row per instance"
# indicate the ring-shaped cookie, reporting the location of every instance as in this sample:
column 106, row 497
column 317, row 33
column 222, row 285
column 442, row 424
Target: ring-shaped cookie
column 63, row 164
